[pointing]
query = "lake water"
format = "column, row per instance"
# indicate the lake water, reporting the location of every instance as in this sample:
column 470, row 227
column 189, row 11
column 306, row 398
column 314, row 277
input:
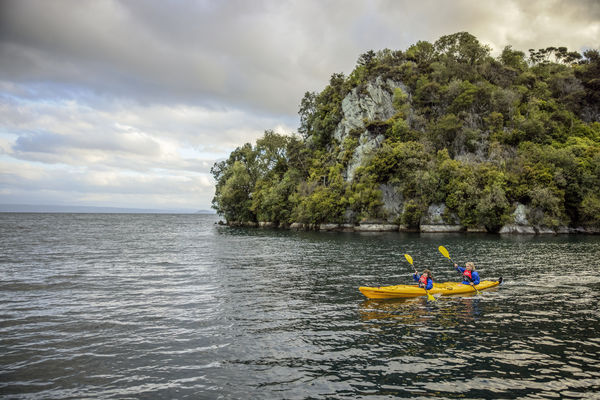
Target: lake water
column 175, row 306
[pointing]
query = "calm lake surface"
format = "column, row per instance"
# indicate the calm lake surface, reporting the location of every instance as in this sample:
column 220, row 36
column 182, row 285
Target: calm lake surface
column 174, row 306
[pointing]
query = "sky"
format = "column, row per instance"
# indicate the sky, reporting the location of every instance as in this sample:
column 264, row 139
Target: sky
column 129, row 103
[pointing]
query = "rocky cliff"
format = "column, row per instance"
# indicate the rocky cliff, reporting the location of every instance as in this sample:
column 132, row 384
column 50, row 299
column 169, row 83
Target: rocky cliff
column 441, row 137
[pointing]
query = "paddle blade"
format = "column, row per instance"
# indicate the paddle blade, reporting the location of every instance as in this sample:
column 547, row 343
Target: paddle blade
column 430, row 297
column 408, row 258
column 444, row 252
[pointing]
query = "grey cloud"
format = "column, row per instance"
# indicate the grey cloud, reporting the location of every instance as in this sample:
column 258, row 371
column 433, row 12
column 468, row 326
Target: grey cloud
column 260, row 55
column 523, row 24
column 225, row 54
column 48, row 142
column 108, row 153
column 126, row 133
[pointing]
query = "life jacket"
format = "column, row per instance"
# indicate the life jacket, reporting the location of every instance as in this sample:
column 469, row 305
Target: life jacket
column 467, row 273
column 423, row 281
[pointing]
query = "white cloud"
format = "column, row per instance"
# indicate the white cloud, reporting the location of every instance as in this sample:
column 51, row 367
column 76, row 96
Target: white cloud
column 76, row 134
column 119, row 153
column 32, row 183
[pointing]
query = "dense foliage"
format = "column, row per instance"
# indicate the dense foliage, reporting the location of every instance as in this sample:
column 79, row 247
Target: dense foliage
column 475, row 132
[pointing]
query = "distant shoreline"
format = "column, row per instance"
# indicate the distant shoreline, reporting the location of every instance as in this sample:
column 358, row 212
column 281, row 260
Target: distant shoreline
column 33, row 208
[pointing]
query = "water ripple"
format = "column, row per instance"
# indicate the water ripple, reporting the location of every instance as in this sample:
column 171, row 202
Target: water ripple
column 174, row 306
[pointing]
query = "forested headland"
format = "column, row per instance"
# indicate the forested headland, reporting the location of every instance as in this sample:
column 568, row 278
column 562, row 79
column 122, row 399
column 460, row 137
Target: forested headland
column 440, row 134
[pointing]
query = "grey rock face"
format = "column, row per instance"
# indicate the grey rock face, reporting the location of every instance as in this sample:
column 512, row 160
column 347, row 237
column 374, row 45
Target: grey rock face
column 518, row 229
column 367, row 144
column 376, row 228
column 434, row 220
column 519, row 224
column 392, row 202
column 520, row 215
column 435, row 216
column 374, row 102
column 329, row 227
column 441, row 228
column 297, row 226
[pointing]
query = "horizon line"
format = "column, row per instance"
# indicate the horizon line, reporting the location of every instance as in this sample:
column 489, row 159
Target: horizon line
column 61, row 208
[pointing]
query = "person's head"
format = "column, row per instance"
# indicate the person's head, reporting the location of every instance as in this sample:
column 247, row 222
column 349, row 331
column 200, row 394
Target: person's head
column 470, row 266
column 428, row 274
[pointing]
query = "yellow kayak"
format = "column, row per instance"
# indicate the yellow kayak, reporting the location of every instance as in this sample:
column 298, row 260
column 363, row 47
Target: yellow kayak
column 402, row 291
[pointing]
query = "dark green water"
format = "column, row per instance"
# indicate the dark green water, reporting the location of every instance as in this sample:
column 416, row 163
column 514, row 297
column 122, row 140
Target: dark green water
column 174, row 306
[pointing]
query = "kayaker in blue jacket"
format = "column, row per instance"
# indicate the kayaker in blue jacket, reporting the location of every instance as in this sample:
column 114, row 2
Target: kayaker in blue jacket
column 470, row 276
column 425, row 279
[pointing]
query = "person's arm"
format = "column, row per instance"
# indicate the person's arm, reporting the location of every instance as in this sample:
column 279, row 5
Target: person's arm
column 475, row 277
column 416, row 277
column 459, row 269
column 429, row 284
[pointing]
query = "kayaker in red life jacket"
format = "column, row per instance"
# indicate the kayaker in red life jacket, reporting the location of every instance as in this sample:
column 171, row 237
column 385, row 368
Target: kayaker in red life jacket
column 470, row 276
column 425, row 279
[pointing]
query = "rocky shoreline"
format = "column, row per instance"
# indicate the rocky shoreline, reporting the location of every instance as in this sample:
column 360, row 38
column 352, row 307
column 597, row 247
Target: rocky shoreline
column 511, row 229
column 435, row 220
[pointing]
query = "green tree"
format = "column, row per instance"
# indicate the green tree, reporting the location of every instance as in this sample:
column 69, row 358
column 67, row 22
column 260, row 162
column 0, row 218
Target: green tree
column 590, row 210
column 422, row 53
column 233, row 199
column 463, row 48
column 514, row 59
column 444, row 130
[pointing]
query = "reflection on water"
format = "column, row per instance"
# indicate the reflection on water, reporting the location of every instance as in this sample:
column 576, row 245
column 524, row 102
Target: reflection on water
column 416, row 310
column 117, row 306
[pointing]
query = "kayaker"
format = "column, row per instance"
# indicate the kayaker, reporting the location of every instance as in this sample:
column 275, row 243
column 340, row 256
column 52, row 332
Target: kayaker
column 470, row 276
column 425, row 279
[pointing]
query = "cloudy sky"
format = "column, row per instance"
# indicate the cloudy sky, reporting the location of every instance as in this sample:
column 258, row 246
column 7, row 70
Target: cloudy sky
column 129, row 103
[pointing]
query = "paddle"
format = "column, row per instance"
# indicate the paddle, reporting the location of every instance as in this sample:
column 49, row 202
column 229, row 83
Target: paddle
column 410, row 260
column 445, row 253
